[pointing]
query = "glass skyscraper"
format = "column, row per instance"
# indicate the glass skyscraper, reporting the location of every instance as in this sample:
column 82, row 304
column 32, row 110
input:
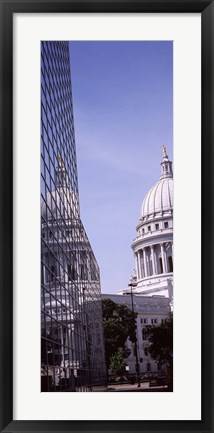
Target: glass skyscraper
column 72, row 346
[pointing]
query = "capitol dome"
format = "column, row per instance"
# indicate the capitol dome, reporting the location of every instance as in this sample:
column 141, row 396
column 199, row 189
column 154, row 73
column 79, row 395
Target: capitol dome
column 159, row 200
column 61, row 203
column 153, row 245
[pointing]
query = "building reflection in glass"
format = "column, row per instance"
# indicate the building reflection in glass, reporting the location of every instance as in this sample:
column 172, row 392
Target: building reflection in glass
column 72, row 347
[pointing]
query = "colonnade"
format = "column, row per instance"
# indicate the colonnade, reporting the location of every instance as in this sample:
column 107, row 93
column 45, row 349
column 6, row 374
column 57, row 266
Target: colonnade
column 154, row 260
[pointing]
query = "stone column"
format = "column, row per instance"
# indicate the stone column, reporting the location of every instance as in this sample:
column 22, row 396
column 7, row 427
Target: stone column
column 172, row 253
column 145, row 264
column 60, row 267
column 73, row 345
column 163, row 258
column 166, row 261
column 136, row 265
column 62, row 344
column 153, row 260
column 88, row 271
column 142, row 264
column 139, row 264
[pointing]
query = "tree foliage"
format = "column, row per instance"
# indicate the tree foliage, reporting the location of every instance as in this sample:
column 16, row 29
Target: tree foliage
column 118, row 324
column 160, row 340
column 117, row 364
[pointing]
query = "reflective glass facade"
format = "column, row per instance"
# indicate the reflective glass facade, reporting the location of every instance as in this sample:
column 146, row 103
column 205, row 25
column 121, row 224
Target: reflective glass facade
column 72, row 347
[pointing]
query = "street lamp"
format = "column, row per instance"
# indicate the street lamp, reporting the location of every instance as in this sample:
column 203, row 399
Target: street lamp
column 132, row 284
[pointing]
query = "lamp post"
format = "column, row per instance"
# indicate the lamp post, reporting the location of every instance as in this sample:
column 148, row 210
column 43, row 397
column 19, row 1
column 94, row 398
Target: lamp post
column 87, row 338
column 132, row 284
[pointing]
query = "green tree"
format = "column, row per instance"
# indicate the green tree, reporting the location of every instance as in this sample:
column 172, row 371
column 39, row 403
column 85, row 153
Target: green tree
column 160, row 347
column 160, row 340
column 117, row 364
column 118, row 324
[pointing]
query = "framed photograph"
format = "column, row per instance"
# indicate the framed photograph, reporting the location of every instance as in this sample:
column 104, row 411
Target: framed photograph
column 104, row 106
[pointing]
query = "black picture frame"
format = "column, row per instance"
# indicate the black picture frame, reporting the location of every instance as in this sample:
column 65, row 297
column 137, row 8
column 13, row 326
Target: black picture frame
column 8, row 8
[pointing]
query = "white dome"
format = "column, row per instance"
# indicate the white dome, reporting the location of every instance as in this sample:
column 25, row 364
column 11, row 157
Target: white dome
column 61, row 203
column 56, row 304
column 159, row 199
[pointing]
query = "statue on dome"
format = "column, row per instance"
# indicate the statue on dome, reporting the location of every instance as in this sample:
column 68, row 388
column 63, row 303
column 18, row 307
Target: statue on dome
column 164, row 151
column 60, row 161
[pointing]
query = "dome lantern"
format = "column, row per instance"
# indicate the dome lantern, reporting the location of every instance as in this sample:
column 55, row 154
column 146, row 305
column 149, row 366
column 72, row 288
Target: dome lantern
column 61, row 178
column 166, row 165
column 61, row 203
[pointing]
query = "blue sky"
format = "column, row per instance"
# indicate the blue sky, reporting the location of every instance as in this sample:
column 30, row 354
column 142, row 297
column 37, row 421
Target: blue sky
column 123, row 101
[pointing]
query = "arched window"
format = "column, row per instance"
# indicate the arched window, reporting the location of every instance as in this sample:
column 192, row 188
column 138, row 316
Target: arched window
column 148, row 366
column 72, row 275
column 51, row 274
column 170, row 264
column 144, row 333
